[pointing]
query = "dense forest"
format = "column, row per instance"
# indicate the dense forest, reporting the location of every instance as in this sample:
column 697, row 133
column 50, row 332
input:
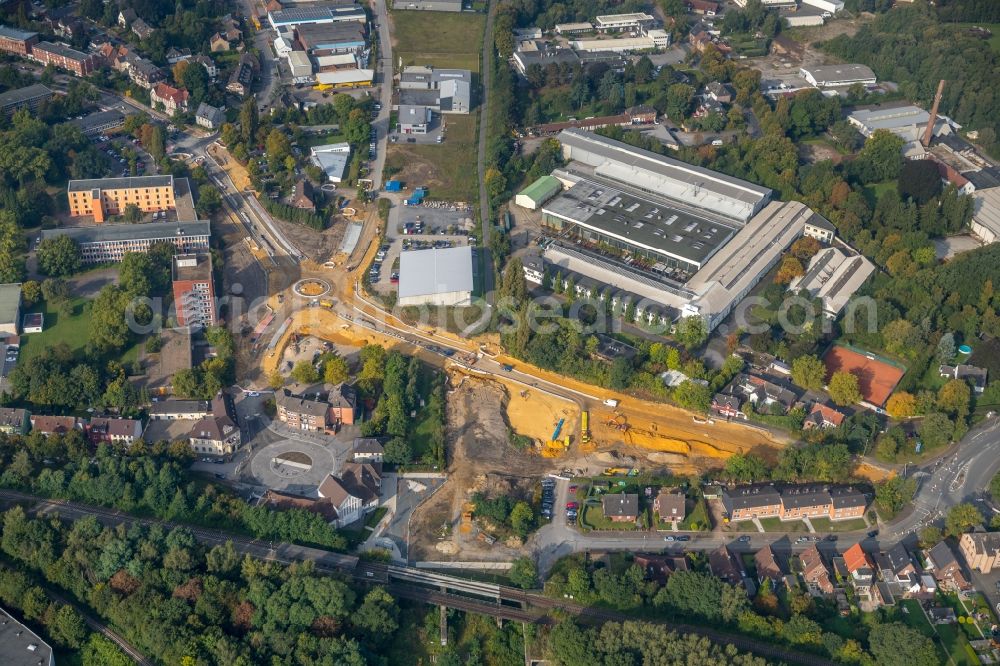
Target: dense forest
column 911, row 46
column 152, row 479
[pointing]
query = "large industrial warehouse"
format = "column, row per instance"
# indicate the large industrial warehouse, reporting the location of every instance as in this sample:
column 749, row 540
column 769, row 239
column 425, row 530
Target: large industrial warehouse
column 675, row 239
column 440, row 276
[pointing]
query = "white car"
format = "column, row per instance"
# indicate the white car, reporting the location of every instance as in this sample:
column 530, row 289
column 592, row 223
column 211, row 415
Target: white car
column 253, row 394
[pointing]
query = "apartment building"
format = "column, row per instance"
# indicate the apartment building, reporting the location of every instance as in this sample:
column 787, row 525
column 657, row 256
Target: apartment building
column 318, row 412
column 194, row 290
column 793, row 502
column 109, row 242
column 105, row 197
column 17, row 42
column 980, row 550
column 63, row 57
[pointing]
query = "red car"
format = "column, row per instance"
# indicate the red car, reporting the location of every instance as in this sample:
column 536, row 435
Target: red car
column 572, row 489
column 571, row 505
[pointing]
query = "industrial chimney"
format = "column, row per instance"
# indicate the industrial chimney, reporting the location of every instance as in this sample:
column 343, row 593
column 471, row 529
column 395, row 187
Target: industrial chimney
column 929, row 132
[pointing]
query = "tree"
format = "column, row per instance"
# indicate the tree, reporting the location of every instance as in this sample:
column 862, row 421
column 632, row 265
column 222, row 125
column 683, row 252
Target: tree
column 945, row 348
column 11, row 249
column 895, row 644
column 881, row 158
column 961, row 518
column 790, row 269
column 523, row 573
column 901, row 405
column 132, row 214
column 954, row 397
column 397, row 451
column 335, row 371
column 930, row 536
column 496, row 183
column 209, row 200
column 692, row 395
column 919, row 180
column 67, row 627
column 31, row 292
column 691, row 332
column 278, row 147
column 844, row 389
column 746, row 468
column 522, row 518
column 135, row 272
column 378, row 615
column 58, row 256
column 808, row 372
column 109, row 325
column 935, row 430
column 894, row 493
column 305, row 373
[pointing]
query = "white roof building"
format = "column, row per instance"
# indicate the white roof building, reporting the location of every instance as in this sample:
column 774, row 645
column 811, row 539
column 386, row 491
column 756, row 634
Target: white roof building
column 834, row 276
column 908, row 122
column 621, row 45
column 299, row 64
column 986, row 214
column 835, row 76
column 436, row 277
column 332, row 158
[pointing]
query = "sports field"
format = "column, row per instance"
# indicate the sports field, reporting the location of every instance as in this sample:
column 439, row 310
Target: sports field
column 877, row 378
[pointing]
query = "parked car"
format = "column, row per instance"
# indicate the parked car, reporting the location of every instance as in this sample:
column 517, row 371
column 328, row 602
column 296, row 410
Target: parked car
column 684, row 537
column 744, row 539
column 668, row 538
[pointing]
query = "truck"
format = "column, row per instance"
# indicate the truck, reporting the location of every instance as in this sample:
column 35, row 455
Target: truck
column 394, row 186
column 611, row 403
column 584, row 429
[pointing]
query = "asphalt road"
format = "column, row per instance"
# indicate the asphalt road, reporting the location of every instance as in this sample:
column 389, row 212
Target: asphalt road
column 384, row 77
column 484, row 200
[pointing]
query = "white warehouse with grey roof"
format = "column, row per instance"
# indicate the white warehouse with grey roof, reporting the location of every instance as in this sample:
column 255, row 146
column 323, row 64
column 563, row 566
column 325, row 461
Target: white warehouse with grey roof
column 439, row 276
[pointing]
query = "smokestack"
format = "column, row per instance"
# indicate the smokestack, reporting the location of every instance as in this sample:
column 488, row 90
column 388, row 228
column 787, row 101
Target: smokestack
column 929, row 132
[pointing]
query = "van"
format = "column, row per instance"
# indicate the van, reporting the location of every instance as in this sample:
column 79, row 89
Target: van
column 610, row 403
column 716, row 142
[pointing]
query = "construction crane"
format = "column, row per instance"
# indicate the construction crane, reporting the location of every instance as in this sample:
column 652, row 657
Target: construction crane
column 929, row 132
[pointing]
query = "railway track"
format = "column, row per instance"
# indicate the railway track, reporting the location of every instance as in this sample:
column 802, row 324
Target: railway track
column 486, row 598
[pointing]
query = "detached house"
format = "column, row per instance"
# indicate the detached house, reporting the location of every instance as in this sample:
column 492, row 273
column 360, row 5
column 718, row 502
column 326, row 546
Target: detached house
column 620, row 507
column 209, row 117
column 142, row 29
column 969, row 373
column 217, row 434
column 120, row 432
column 171, row 99
column 861, row 571
column 943, row 564
column 727, row 405
column 217, row 43
column 669, row 506
column 367, row 449
column 354, row 492
column 897, row 570
column 766, row 396
column 725, row 565
column 815, row 572
column 822, row 416
column 14, row 421
column 768, row 567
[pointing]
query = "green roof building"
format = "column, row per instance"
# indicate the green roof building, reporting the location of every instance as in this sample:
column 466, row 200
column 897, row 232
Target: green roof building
column 533, row 196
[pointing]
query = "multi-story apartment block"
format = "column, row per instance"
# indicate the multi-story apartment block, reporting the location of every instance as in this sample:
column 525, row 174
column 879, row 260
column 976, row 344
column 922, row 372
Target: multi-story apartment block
column 980, row 550
column 17, row 42
column 62, row 56
column 109, row 242
column 194, row 290
column 104, row 197
column 319, row 413
column 794, row 502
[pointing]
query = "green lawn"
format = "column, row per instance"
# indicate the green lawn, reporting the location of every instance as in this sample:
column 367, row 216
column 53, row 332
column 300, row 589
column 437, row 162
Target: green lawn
column 423, row 429
column 914, row 617
column 447, row 169
column 592, row 516
column 874, row 192
column 827, row 525
column 438, row 39
column 698, row 517
column 72, row 330
column 957, row 645
column 777, row 525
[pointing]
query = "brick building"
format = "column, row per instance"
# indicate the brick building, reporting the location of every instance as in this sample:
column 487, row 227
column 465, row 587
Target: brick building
column 794, row 502
column 63, row 57
column 194, row 290
column 17, row 42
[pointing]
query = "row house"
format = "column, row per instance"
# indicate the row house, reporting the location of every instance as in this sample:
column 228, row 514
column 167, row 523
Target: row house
column 764, row 395
column 61, row 56
column 793, row 502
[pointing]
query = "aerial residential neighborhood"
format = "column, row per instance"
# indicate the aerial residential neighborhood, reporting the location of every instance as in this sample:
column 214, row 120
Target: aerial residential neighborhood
column 461, row 332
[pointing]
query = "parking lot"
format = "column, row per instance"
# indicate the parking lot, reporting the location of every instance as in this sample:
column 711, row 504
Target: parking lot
column 418, row 228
